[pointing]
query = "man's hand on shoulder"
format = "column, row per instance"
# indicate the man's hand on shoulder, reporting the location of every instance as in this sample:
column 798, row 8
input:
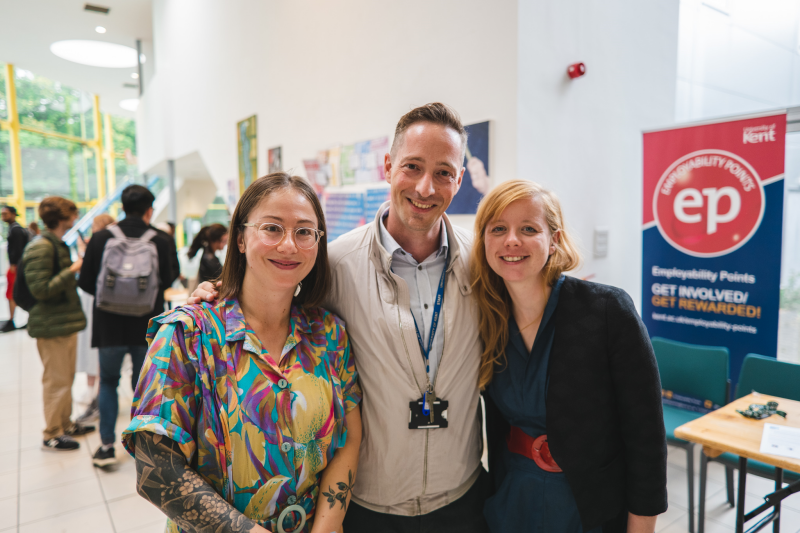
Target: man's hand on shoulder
column 205, row 292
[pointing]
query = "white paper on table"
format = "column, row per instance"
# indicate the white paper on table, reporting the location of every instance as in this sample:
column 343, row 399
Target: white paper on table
column 781, row 440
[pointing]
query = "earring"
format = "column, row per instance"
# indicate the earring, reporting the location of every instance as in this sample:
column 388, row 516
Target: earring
column 297, row 290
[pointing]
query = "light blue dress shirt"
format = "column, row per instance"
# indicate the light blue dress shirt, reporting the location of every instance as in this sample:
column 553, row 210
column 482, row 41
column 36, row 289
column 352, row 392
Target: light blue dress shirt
column 423, row 281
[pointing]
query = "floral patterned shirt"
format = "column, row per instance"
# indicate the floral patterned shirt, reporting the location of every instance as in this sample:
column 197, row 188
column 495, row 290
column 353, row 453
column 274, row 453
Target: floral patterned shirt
column 260, row 429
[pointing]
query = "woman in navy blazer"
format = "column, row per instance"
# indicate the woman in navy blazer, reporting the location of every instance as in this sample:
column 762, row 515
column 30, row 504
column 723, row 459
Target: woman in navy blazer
column 567, row 366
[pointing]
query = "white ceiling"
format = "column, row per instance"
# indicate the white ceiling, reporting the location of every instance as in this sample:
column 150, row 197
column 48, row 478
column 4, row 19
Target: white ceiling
column 29, row 27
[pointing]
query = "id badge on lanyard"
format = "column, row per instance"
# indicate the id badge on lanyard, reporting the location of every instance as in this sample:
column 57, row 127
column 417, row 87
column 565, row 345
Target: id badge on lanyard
column 429, row 412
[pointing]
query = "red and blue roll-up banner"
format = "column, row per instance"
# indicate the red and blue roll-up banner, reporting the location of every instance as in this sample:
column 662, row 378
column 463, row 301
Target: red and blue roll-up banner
column 711, row 235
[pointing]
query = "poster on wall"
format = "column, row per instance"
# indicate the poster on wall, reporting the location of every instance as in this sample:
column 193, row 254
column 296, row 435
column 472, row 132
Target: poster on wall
column 476, row 182
column 232, row 196
column 274, row 160
column 248, row 152
column 711, row 236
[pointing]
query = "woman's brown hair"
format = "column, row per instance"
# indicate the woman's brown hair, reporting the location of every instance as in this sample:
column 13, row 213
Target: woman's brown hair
column 494, row 302
column 317, row 283
column 54, row 209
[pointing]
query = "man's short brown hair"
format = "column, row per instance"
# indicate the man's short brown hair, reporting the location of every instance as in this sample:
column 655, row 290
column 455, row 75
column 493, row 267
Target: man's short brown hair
column 435, row 113
column 54, row 209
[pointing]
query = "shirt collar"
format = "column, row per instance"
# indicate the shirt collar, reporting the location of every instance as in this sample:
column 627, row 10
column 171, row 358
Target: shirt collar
column 393, row 247
column 235, row 325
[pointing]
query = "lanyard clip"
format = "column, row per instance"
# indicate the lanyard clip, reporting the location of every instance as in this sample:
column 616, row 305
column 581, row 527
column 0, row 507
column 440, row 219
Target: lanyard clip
column 428, row 399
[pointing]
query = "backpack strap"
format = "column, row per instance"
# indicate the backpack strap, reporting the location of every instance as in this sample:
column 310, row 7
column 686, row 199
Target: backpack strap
column 148, row 235
column 116, row 232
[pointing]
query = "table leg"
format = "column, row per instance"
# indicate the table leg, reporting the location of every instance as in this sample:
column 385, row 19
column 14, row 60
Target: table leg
column 701, row 509
column 776, row 525
column 740, row 499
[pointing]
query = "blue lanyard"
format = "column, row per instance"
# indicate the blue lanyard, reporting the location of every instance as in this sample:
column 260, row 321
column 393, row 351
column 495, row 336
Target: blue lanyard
column 437, row 308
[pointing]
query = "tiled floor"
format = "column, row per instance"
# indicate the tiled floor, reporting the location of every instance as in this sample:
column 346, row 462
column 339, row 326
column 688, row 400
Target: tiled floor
column 48, row 491
column 51, row 491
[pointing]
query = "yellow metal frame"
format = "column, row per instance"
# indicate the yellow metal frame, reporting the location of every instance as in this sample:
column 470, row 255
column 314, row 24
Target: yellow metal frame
column 13, row 126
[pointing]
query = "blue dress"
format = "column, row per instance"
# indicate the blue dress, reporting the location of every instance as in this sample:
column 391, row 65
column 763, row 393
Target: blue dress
column 528, row 498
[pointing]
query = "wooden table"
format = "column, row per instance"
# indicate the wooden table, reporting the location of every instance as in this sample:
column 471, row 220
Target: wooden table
column 725, row 430
column 173, row 296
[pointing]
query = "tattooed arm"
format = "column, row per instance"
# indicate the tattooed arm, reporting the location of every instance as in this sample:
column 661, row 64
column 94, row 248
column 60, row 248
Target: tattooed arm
column 165, row 480
column 338, row 478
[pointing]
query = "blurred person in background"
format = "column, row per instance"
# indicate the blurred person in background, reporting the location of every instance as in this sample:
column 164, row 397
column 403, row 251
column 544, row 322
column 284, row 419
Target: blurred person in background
column 17, row 239
column 117, row 334
column 210, row 239
column 33, row 229
column 87, row 359
column 56, row 318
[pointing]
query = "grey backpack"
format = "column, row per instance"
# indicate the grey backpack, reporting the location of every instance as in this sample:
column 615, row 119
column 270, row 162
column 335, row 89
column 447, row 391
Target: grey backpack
column 128, row 283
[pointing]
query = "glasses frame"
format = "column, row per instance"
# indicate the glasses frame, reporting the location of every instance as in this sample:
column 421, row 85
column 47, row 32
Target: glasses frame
column 319, row 233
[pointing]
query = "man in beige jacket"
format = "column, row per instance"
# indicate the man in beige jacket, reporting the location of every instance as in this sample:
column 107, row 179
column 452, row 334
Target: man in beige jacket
column 387, row 278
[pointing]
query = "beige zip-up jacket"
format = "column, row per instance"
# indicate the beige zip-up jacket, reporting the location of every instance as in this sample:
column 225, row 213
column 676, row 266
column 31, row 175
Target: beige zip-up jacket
column 403, row 471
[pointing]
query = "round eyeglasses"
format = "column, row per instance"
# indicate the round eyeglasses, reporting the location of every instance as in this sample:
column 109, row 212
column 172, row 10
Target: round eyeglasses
column 272, row 234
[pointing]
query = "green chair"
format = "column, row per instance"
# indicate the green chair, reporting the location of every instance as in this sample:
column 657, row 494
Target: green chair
column 766, row 375
column 697, row 371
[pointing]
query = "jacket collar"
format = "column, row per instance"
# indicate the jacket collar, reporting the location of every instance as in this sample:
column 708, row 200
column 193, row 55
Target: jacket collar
column 132, row 222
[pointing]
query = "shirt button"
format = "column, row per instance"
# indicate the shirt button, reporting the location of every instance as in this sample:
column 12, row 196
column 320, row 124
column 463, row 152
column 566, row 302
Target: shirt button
column 426, row 306
column 291, row 500
column 285, row 447
column 419, row 267
column 283, row 384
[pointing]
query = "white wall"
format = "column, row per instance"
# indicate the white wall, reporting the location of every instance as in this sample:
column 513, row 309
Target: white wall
column 737, row 57
column 322, row 73
column 583, row 138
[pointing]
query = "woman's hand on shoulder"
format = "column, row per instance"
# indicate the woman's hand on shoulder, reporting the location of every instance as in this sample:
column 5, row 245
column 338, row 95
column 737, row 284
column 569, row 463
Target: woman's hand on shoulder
column 205, row 292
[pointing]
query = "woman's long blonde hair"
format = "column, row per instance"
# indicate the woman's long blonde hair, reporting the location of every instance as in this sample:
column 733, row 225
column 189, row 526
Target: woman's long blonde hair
column 494, row 302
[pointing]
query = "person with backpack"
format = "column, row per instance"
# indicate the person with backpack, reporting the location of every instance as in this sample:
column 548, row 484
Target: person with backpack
column 47, row 289
column 126, row 268
column 17, row 239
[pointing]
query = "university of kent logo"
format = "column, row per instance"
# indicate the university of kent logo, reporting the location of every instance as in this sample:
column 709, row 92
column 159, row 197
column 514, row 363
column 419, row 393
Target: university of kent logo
column 708, row 203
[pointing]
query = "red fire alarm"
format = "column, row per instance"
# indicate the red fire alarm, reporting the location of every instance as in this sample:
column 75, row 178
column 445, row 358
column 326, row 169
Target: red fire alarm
column 576, row 70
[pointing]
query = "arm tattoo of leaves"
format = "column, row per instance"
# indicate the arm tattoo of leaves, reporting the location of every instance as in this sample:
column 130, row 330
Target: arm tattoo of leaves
column 165, row 480
column 340, row 495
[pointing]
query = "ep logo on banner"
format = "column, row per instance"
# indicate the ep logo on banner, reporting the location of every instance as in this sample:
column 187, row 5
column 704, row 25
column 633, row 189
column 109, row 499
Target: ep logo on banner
column 711, row 239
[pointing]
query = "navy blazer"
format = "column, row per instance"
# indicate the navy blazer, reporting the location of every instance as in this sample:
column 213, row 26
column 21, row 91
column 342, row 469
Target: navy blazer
column 605, row 424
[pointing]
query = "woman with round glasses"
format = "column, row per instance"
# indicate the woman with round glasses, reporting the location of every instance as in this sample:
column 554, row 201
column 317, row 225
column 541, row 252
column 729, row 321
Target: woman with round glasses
column 573, row 398
column 246, row 415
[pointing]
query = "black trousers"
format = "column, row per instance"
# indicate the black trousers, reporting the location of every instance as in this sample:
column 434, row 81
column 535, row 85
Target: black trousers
column 465, row 515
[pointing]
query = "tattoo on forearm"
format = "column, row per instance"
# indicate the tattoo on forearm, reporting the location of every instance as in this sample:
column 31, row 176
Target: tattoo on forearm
column 165, row 480
column 340, row 495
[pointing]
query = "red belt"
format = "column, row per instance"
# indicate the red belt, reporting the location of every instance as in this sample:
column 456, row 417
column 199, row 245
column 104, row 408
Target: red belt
column 537, row 449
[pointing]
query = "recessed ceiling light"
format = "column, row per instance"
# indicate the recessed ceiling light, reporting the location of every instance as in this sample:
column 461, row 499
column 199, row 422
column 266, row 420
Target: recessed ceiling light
column 135, row 75
column 95, row 53
column 131, row 104
column 100, row 29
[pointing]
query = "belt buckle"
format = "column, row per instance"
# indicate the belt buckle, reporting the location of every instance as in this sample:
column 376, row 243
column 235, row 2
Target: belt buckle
column 292, row 509
column 542, row 459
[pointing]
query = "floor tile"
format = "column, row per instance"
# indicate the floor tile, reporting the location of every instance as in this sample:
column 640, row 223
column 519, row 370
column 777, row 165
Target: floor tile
column 121, row 482
column 9, row 461
column 94, row 519
column 58, row 500
column 673, row 514
column 155, row 527
column 133, row 512
column 8, row 485
column 64, row 471
column 8, row 513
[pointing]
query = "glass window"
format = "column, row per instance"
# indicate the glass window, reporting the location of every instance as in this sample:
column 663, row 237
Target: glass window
column 3, row 103
column 51, row 106
column 57, row 167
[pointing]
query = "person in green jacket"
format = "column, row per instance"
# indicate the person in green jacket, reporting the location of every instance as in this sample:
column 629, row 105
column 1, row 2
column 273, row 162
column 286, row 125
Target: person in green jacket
column 56, row 319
